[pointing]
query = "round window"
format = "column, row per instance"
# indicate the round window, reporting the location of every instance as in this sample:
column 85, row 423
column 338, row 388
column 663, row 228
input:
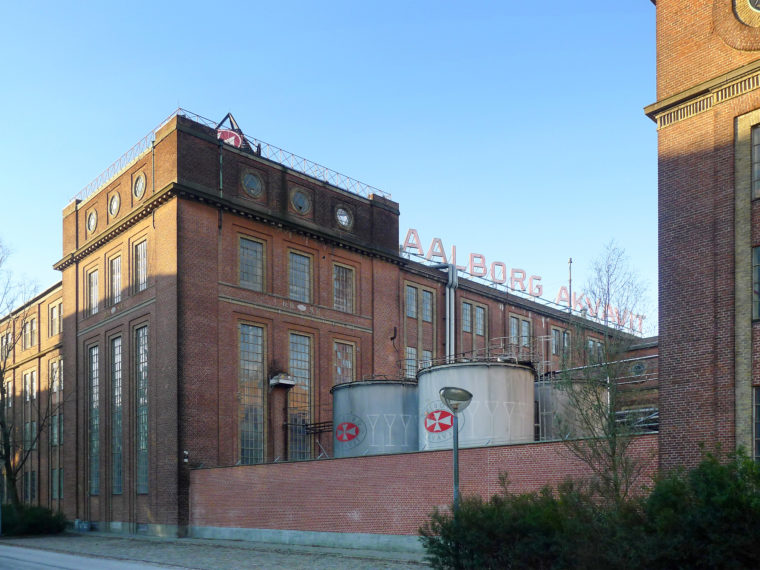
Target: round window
column 113, row 205
column 344, row 217
column 92, row 221
column 252, row 184
column 138, row 188
column 638, row 369
column 301, row 202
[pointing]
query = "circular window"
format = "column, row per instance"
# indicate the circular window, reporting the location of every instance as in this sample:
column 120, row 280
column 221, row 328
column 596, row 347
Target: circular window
column 301, row 202
column 113, row 205
column 638, row 369
column 138, row 188
column 344, row 217
column 92, row 221
column 252, row 184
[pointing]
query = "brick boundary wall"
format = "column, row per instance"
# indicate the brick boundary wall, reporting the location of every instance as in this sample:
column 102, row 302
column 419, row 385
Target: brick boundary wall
column 381, row 494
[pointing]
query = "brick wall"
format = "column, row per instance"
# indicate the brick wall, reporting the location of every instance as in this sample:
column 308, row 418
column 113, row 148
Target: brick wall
column 385, row 494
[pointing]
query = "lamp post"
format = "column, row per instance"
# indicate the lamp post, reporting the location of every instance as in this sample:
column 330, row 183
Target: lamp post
column 456, row 400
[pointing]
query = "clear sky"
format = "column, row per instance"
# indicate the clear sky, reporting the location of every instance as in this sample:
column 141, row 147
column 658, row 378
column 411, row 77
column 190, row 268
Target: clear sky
column 511, row 129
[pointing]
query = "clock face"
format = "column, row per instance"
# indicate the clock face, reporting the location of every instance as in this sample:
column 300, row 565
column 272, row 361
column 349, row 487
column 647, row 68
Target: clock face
column 252, row 184
column 344, row 217
column 139, row 186
column 301, row 202
column 92, row 221
column 113, row 205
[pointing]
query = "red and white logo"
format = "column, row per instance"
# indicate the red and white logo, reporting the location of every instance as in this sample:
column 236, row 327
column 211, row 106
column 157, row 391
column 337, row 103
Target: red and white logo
column 438, row 421
column 229, row 137
column 346, row 431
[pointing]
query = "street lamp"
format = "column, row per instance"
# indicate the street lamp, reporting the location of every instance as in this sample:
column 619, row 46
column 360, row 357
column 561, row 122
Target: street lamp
column 455, row 399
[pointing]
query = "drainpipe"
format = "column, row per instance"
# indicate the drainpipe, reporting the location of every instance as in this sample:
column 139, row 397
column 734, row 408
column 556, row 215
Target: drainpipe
column 451, row 285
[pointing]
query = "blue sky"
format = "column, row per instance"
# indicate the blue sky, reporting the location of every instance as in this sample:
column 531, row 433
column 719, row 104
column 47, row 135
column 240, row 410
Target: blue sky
column 510, row 129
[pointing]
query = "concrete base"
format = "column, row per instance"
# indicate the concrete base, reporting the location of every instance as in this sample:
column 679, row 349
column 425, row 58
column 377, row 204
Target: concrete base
column 360, row 541
column 116, row 527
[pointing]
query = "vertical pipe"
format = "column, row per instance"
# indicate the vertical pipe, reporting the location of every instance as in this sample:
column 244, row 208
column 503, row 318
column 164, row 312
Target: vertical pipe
column 570, row 284
column 456, row 462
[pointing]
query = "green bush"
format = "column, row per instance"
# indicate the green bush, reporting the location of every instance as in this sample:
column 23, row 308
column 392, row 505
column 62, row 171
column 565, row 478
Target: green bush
column 31, row 520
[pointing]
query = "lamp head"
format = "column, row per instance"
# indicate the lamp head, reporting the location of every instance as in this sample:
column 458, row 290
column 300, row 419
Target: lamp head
column 456, row 399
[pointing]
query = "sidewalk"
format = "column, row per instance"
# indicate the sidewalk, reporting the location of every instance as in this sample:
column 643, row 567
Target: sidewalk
column 216, row 554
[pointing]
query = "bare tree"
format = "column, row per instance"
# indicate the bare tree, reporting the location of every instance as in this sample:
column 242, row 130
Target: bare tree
column 593, row 422
column 16, row 332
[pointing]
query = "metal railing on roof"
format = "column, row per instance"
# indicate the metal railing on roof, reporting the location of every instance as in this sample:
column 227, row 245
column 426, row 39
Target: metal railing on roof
column 264, row 149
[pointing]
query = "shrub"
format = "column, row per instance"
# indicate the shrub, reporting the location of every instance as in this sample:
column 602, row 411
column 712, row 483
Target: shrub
column 31, row 520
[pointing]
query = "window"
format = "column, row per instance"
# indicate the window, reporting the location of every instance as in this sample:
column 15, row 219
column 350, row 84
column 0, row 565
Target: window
column 92, row 292
column 480, row 321
column 30, row 333
column 56, row 484
column 9, row 393
column 30, row 385
column 56, row 375
column 410, row 363
column 344, row 362
column 595, row 351
column 117, row 460
column 299, row 277
column 30, row 486
column 6, row 344
column 251, row 264
column 94, row 423
column 141, row 373
column 755, row 160
column 343, row 288
column 55, row 322
column 514, row 330
column 755, row 270
column 565, row 342
column 251, row 389
column 411, row 301
column 141, row 266
column 299, row 398
column 30, row 435
column 427, row 306
column 114, row 280
column 466, row 317
column 427, row 359
column 525, row 333
column 54, row 431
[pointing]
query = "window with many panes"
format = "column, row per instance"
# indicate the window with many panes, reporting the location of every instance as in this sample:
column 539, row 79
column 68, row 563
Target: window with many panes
column 93, row 397
column 299, row 277
column 251, row 390
column 427, row 359
column 410, row 362
column 251, row 264
column 514, row 330
column 30, row 435
column 556, row 340
column 6, row 344
column 56, row 484
column 343, row 362
column 141, row 266
column 466, row 317
column 30, row 385
column 30, row 486
column 30, row 333
column 427, row 306
column 91, row 290
column 299, row 398
column 55, row 319
column 56, row 375
column 755, row 277
column 114, row 280
column 480, row 321
column 117, row 456
column 343, row 288
column 411, row 301
column 141, row 383
column 524, row 333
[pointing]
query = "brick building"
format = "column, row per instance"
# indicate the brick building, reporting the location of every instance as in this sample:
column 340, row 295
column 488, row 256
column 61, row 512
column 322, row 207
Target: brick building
column 707, row 114
column 214, row 289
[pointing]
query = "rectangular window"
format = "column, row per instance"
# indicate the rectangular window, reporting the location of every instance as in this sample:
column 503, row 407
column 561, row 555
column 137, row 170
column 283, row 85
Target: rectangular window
column 30, row 385
column 595, row 351
column 427, row 359
column 55, row 322
column 565, row 342
column 299, row 277
column 755, row 161
column 410, row 363
column 343, row 288
column 9, row 393
column 92, row 293
column 141, row 383
column 54, row 425
column 30, row 333
column 427, row 306
column 344, row 362
column 94, row 423
column 466, row 317
column 299, row 398
column 755, row 272
column 114, row 280
column 54, row 485
column 514, row 330
column 117, row 460
column 30, row 486
column 251, row 389
column 525, row 333
column 555, row 341
column 6, row 344
column 30, row 435
column 56, row 375
column 411, row 301
column 251, row 264
column 480, row 321
column 141, row 266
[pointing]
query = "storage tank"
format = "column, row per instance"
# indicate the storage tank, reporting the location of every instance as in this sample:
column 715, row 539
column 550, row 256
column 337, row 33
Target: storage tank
column 374, row 416
column 570, row 409
column 501, row 410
